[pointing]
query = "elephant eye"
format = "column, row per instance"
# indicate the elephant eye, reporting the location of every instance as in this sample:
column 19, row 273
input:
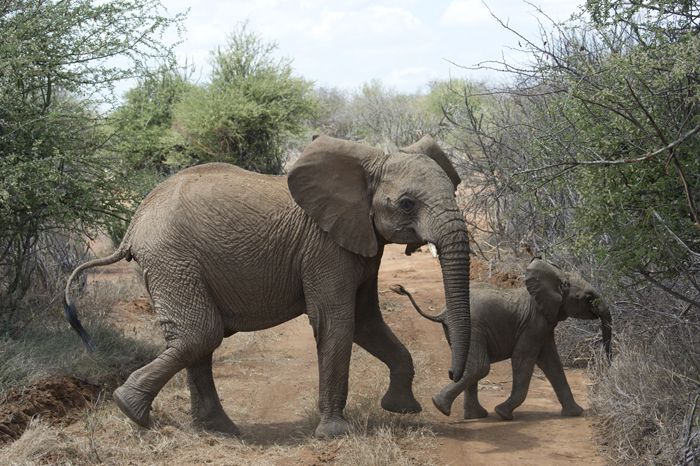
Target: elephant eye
column 407, row 204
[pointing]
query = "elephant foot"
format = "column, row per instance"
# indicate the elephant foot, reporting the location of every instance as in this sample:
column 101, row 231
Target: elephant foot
column 402, row 403
column 572, row 411
column 442, row 404
column 504, row 411
column 477, row 412
column 220, row 426
column 135, row 403
column 332, row 428
column 218, row 423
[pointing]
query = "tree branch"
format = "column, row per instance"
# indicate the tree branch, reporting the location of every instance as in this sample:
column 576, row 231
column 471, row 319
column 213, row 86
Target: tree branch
column 605, row 163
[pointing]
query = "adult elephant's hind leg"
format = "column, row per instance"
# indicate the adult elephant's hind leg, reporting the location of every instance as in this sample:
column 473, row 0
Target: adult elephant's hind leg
column 372, row 334
column 207, row 411
column 192, row 329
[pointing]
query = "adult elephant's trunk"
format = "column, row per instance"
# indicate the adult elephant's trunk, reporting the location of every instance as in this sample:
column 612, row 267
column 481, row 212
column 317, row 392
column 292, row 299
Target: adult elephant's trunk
column 453, row 248
column 606, row 329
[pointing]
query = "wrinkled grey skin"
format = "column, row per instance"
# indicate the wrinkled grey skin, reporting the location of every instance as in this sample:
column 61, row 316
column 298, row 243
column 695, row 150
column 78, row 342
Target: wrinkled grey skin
column 224, row 250
column 519, row 324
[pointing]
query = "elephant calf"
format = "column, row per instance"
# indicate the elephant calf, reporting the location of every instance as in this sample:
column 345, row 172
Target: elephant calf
column 519, row 324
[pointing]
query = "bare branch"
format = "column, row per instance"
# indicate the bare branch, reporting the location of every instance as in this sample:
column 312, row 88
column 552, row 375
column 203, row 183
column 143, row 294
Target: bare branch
column 605, row 163
column 680, row 241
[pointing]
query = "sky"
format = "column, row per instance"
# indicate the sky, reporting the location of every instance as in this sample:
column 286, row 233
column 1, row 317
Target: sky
column 404, row 44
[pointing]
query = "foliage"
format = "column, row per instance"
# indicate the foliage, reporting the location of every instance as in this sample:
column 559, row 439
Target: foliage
column 600, row 137
column 381, row 116
column 647, row 401
column 249, row 111
column 384, row 115
column 335, row 116
column 147, row 140
column 57, row 65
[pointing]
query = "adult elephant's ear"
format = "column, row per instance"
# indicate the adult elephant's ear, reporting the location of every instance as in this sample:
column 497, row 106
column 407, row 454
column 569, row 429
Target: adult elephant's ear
column 548, row 286
column 330, row 184
column 427, row 145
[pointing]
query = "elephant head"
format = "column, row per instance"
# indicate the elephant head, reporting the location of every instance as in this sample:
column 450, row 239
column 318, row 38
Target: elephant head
column 365, row 199
column 560, row 295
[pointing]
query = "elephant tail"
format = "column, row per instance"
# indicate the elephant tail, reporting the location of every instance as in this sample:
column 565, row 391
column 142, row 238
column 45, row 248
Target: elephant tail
column 68, row 306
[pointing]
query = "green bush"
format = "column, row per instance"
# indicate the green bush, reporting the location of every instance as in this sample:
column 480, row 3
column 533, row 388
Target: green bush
column 253, row 106
column 55, row 74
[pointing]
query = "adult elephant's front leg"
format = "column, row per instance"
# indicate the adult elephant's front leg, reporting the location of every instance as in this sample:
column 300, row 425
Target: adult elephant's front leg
column 334, row 347
column 331, row 316
column 372, row 334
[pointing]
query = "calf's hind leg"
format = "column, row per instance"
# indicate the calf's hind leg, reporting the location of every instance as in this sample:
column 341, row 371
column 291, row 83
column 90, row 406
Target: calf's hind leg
column 477, row 368
column 472, row 407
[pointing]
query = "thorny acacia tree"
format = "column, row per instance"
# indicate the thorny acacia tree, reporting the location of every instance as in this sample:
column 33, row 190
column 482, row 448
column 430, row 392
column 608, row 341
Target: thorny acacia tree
column 59, row 61
column 596, row 144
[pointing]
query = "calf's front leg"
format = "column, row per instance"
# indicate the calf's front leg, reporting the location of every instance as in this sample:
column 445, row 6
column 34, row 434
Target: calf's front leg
column 550, row 364
column 523, row 362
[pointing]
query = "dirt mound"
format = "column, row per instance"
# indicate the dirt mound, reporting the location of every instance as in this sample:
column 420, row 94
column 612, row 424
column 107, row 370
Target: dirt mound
column 506, row 280
column 141, row 305
column 478, row 269
column 56, row 399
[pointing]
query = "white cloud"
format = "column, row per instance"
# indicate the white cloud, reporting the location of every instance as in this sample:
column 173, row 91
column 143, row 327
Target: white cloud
column 368, row 23
column 345, row 43
column 412, row 78
column 465, row 13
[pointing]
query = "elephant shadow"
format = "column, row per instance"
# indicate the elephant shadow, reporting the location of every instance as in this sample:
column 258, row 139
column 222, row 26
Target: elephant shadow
column 267, row 434
column 492, row 431
column 510, row 435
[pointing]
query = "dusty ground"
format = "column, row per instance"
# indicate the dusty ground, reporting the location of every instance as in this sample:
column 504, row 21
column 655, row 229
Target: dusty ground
column 268, row 381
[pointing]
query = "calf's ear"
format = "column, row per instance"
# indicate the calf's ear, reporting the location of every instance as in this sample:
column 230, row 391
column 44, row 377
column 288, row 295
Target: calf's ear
column 548, row 286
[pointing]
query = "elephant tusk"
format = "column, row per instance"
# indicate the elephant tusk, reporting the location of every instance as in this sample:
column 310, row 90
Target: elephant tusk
column 433, row 250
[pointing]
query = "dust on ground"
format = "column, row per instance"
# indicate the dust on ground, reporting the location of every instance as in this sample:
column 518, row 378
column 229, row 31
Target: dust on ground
column 268, row 384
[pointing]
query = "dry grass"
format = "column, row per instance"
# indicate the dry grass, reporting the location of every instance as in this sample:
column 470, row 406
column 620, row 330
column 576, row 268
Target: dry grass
column 644, row 398
column 49, row 346
column 38, row 445
column 578, row 342
column 103, row 435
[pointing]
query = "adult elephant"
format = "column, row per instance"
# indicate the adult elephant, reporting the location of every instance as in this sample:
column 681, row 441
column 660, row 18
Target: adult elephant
column 519, row 324
column 224, row 250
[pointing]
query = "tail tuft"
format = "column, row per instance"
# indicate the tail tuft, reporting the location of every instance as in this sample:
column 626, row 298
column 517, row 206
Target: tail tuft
column 71, row 315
